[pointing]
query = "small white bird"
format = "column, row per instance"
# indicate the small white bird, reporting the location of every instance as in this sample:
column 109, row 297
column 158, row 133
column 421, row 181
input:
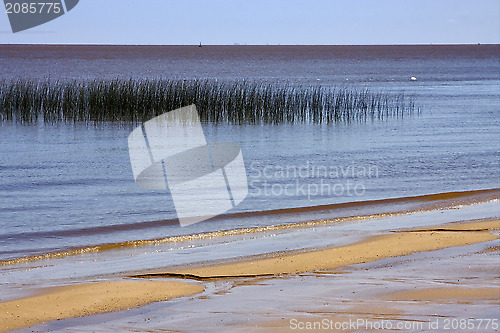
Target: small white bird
column 413, row 78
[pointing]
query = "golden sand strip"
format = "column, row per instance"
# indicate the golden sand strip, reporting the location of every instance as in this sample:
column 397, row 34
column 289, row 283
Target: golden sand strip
column 472, row 225
column 447, row 294
column 426, row 202
column 87, row 299
column 92, row 298
column 374, row 248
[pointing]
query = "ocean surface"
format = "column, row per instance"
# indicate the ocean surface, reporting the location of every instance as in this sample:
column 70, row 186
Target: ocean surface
column 66, row 186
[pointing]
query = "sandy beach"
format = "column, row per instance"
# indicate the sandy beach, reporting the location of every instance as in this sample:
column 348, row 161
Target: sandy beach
column 86, row 299
column 375, row 248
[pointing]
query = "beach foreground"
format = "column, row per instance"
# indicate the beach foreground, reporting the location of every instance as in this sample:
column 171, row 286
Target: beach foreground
column 375, row 248
column 87, row 299
column 92, row 298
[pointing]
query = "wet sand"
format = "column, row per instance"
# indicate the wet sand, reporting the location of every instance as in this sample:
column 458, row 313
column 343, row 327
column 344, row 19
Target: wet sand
column 375, row 248
column 92, row 298
column 290, row 218
column 87, row 299
column 448, row 294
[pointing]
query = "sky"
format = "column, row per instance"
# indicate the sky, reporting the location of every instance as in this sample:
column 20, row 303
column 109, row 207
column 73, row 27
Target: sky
column 261, row 22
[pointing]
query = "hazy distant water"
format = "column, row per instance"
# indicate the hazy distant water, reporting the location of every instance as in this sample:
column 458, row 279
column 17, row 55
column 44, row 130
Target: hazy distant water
column 71, row 184
column 300, row 64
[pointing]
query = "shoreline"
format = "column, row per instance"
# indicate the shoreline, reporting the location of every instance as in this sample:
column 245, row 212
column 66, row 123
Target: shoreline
column 396, row 244
column 103, row 297
column 383, row 208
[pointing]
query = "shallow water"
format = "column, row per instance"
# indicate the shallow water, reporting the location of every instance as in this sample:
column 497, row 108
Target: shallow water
column 71, row 185
column 22, row 278
column 352, row 293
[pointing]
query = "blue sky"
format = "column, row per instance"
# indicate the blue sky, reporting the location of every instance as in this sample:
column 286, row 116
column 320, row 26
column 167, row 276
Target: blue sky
column 268, row 22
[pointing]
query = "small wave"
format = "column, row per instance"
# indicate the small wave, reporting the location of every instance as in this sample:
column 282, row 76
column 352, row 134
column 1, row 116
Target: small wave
column 386, row 207
column 40, row 185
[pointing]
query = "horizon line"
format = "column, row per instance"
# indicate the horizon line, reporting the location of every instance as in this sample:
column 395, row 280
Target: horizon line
column 242, row 45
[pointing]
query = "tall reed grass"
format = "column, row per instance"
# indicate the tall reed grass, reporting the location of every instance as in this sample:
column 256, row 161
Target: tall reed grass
column 219, row 102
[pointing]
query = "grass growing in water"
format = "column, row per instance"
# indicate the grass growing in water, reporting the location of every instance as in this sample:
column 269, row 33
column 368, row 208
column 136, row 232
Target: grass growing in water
column 218, row 102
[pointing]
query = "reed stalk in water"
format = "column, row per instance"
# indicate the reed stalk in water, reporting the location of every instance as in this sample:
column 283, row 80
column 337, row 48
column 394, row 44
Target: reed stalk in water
column 237, row 102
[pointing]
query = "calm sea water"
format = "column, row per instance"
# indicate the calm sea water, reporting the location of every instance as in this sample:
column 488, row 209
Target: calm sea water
column 71, row 185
